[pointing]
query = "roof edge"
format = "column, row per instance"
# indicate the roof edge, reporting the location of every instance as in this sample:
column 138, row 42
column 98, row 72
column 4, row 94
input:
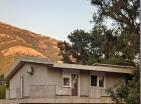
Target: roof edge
column 22, row 60
column 110, row 65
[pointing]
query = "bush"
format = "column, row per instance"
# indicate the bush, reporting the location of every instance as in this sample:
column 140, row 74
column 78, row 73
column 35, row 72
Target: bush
column 2, row 91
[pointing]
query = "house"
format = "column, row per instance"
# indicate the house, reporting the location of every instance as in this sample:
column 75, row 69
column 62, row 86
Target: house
column 34, row 80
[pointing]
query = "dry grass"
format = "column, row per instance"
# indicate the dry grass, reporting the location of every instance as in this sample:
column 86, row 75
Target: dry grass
column 16, row 42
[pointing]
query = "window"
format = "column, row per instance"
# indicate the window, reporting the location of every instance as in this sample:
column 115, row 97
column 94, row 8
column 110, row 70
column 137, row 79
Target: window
column 101, row 81
column 66, row 82
column 93, row 80
column 97, row 81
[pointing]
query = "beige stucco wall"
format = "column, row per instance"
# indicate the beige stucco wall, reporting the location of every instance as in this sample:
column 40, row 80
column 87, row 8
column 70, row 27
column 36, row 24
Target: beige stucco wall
column 84, row 83
column 112, row 79
column 41, row 76
column 38, row 78
column 51, row 81
column 44, row 75
column 54, row 76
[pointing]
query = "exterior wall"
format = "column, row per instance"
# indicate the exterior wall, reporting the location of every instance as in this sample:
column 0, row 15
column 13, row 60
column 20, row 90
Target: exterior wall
column 112, row 79
column 47, row 82
column 95, row 91
column 38, row 78
column 68, row 72
column 84, row 83
column 54, row 76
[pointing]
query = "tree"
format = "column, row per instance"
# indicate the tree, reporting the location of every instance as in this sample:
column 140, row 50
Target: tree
column 65, row 52
column 78, row 50
column 80, row 41
column 115, row 44
column 88, row 48
column 124, row 17
column 124, row 12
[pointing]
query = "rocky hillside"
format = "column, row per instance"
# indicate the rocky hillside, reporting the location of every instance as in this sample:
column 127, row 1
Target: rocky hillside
column 16, row 42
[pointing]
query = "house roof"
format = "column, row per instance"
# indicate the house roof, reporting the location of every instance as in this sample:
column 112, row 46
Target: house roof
column 95, row 67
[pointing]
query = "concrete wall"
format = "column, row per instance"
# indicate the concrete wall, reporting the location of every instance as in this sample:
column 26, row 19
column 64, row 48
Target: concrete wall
column 45, row 75
column 38, row 78
column 42, row 91
column 50, row 80
column 84, row 83
column 54, row 76
column 42, row 75
column 112, row 79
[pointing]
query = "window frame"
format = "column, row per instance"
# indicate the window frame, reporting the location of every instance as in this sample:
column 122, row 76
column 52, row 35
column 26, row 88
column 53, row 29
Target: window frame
column 98, row 75
column 66, row 75
column 103, row 81
column 96, row 80
column 69, row 82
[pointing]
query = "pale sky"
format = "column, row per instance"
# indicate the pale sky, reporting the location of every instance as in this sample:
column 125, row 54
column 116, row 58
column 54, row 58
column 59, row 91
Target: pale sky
column 54, row 18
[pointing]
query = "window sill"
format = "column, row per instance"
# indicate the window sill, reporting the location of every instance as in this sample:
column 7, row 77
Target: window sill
column 66, row 86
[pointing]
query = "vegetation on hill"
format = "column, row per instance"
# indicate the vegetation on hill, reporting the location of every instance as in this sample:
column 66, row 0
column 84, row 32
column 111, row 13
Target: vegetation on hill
column 16, row 42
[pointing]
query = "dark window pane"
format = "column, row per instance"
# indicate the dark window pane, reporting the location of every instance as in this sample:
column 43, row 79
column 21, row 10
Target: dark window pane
column 93, row 80
column 101, row 81
column 66, row 81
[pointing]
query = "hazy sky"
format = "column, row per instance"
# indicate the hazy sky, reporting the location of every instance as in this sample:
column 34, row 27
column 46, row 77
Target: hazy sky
column 54, row 18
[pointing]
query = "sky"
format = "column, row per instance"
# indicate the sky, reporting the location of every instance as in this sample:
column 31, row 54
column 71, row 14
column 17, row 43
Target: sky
column 54, row 18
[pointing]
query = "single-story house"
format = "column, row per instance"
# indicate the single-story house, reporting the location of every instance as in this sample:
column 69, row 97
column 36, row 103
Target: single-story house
column 35, row 80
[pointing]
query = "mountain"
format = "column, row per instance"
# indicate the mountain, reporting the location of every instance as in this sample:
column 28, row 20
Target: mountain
column 16, row 42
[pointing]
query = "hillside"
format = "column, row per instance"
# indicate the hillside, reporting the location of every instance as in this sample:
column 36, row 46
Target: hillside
column 16, row 42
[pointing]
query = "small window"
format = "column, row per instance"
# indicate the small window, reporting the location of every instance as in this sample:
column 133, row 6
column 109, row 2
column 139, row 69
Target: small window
column 93, row 80
column 101, row 81
column 66, row 82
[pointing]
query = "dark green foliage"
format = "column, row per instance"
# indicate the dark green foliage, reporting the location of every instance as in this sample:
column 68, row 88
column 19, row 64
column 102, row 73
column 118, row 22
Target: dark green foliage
column 80, row 41
column 129, row 92
column 65, row 51
column 95, row 47
column 117, row 44
column 124, row 12
column 124, row 17
column 2, row 91
column 133, row 89
column 2, row 87
column 79, row 50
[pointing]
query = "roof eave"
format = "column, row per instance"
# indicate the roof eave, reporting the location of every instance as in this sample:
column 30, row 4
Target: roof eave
column 13, row 70
column 92, row 68
column 19, row 64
